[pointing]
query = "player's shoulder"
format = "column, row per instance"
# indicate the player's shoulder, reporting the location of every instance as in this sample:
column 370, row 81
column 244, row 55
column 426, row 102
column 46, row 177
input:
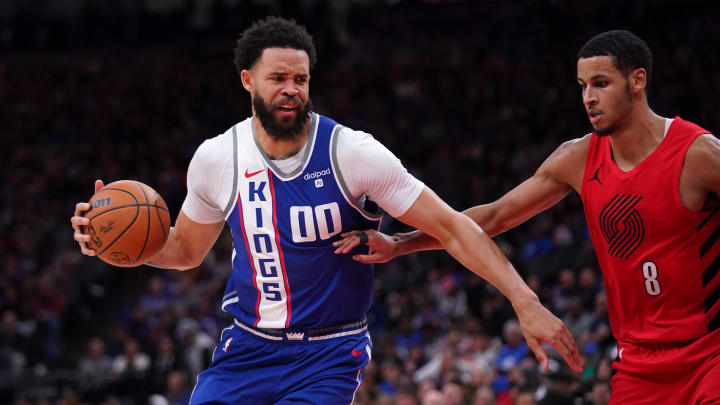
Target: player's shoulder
column 356, row 143
column 217, row 152
column 704, row 149
column 359, row 149
column 573, row 150
column 567, row 163
column 353, row 136
column 222, row 144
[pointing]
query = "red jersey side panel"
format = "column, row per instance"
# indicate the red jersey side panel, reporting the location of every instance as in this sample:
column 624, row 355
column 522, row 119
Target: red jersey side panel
column 660, row 261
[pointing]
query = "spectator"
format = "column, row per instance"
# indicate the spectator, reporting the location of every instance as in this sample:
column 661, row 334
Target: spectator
column 514, row 350
column 96, row 369
column 178, row 392
column 130, row 371
column 601, row 393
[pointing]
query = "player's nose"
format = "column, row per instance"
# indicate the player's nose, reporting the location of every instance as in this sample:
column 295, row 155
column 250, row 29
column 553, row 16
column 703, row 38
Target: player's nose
column 589, row 97
column 290, row 90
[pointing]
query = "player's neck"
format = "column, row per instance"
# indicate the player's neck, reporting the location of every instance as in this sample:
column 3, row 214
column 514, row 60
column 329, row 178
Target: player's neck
column 279, row 148
column 637, row 139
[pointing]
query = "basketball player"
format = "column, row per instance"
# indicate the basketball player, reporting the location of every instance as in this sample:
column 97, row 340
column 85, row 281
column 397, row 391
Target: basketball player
column 650, row 188
column 288, row 182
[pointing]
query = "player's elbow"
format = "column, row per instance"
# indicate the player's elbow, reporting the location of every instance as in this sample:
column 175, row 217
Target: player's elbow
column 191, row 259
column 180, row 253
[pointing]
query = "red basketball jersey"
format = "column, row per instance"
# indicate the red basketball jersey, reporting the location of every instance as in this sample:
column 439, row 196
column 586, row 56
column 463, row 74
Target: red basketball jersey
column 660, row 261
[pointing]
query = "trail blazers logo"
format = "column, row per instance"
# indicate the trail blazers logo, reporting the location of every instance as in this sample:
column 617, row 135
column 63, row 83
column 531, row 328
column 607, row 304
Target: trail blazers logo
column 622, row 225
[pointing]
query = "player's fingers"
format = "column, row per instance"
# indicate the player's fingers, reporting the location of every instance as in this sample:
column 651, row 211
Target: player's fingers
column 349, row 239
column 346, row 240
column 374, row 257
column 345, row 245
column 87, row 252
column 348, row 234
column 567, row 354
column 82, row 240
column 81, row 237
column 78, row 221
column 80, row 208
column 573, row 358
column 537, row 349
column 98, row 185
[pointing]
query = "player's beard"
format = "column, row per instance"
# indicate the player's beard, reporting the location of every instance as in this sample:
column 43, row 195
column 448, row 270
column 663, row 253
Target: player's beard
column 278, row 129
column 623, row 107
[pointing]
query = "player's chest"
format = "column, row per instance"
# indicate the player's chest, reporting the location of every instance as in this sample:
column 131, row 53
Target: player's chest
column 636, row 206
column 309, row 210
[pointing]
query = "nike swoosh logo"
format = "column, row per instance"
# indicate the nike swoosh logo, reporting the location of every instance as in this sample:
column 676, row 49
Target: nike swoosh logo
column 248, row 175
column 355, row 354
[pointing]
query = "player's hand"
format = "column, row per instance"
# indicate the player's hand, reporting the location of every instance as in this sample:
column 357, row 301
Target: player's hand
column 382, row 247
column 78, row 220
column 540, row 326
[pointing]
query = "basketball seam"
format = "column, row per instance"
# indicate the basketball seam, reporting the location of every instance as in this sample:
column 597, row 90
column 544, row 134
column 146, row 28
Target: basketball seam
column 147, row 234
column 126, row 206
column 129, row 225
column 157, row 212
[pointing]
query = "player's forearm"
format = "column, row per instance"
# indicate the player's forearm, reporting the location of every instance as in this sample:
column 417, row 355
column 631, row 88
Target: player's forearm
column 416, row 240
column 465, row 241
column 174, row 255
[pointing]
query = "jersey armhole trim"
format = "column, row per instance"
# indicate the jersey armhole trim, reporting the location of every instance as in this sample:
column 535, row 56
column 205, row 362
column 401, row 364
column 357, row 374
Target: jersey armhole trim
column 341, row 182
column 233, row 194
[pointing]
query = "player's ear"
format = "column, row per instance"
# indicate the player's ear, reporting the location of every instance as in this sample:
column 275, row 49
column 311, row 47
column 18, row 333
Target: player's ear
column 638, row 80
column 247, row 79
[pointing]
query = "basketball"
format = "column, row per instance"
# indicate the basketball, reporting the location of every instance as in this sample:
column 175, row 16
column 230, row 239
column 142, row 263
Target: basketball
column 129, row 223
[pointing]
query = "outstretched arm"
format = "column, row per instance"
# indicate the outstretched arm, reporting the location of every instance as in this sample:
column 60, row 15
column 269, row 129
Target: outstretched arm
column 467, row 243
column 556, row 177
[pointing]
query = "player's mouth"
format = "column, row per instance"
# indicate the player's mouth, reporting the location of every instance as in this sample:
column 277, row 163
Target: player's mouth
column 594, row 116
column 288, row 109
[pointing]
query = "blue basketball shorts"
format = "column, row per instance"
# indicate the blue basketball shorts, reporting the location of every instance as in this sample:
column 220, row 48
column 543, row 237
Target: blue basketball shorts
column 255, row 366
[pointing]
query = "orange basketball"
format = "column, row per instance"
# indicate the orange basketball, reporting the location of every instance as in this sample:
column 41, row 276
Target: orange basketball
column 129, row 223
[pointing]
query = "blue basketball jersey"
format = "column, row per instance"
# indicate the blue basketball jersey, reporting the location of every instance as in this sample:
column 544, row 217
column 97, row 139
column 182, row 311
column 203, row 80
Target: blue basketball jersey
column 285, row 274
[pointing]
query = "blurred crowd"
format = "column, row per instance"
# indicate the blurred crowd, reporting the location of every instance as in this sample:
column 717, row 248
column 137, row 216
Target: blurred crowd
column 471, row 95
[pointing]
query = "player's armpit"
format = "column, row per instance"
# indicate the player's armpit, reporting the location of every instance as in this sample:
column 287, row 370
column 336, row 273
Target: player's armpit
column 188, row 244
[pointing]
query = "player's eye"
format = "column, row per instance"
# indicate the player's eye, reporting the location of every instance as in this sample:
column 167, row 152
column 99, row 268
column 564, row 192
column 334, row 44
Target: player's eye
column 601, row 84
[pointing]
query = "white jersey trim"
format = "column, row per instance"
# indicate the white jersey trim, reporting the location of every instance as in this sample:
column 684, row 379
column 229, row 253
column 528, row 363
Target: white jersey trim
column 233, row 195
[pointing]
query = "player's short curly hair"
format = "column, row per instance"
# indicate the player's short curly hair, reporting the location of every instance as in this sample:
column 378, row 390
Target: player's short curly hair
column 629, row 52
column 272, row 32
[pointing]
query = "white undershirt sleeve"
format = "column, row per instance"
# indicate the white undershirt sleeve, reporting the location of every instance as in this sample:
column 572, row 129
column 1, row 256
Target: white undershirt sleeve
column 369, row 168
column 209, row 180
